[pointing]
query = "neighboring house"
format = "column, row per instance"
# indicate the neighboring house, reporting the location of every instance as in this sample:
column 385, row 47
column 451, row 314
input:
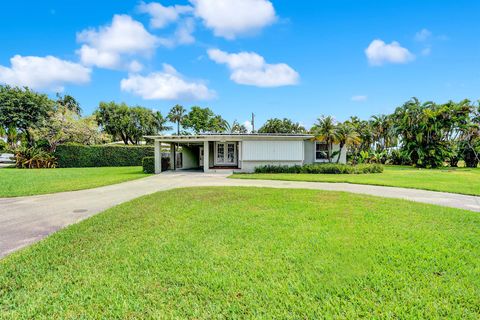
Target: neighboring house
column 241, row 152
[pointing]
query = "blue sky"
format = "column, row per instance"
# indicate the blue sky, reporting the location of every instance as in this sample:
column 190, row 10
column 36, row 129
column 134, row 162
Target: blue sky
column 296, row 59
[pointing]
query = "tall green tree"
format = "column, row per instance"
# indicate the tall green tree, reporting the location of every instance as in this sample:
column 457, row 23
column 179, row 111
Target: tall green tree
column 284, row 125
column 22, row 110
column 325, row 130
column 68, row 102
column 130, row 124
column 177, row 115
column 346, row 136
column 204, row 120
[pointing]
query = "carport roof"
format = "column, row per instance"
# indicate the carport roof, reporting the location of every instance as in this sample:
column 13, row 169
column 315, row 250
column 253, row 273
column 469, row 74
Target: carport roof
column 231, row 137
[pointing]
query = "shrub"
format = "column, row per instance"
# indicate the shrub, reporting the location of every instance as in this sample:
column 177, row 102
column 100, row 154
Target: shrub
column 74, row 155
column 327, row 168
column 148, row 164
column 33, row 158
column 3, row 146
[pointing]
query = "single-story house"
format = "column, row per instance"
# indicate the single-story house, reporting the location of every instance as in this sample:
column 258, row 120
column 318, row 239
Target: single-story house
column 241, row 152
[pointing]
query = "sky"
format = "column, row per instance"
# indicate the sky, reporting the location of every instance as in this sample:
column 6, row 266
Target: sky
column 277, row 58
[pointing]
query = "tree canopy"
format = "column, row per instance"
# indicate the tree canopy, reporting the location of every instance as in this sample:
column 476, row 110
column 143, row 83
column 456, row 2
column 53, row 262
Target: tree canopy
column 130, row 124
column 204, row 120
column 284, row 125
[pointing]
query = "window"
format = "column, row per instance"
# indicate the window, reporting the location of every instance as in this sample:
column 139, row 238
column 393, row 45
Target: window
column 220, row 152
column 225, row 153
column 321, row 150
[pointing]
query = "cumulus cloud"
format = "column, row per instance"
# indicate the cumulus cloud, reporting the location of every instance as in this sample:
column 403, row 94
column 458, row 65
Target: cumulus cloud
column 231, row 18
column 248, row 125
column 43, row 72
column 359, row 98
column 379, row 53
column 162, row 16
column 423, row 35
column 107, row 46
column 250, row 68
column 167, row 84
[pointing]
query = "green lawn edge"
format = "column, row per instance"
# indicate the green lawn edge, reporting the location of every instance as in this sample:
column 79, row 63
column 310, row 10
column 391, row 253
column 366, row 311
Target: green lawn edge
column 454, row 185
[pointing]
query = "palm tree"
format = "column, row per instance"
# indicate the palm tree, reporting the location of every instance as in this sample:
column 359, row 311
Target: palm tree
column 177, row 115
column 346, row 135
column 324, row 130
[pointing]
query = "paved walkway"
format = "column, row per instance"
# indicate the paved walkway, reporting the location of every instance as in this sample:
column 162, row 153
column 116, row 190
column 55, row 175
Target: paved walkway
column 25, row 220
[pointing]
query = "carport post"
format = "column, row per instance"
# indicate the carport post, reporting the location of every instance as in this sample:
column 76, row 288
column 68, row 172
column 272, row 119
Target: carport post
column 158, row 156
column 206, row 154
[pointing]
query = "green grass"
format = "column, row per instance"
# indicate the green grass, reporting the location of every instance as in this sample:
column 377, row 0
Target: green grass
column 252, row 253
column 454, row 180
column 25, row 182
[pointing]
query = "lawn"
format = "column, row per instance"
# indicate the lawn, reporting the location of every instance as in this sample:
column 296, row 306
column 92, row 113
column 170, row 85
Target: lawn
column 252, row 253
column 454, row 180
column 25, row 182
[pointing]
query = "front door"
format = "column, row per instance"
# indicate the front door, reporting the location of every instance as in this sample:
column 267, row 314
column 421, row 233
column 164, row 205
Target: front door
column 226, row 153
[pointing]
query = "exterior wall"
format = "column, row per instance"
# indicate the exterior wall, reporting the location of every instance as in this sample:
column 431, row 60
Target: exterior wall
column 309, row 152
column 190, row 157
column 272, row 151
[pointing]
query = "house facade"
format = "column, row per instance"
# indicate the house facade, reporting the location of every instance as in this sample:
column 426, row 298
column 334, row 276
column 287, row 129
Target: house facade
column 240, row 152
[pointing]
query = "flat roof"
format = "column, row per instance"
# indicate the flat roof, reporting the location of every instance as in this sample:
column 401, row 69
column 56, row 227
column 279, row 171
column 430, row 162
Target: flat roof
column 232, row 136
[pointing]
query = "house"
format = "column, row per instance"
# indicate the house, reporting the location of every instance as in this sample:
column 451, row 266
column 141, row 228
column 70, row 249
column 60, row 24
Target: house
column 241, row 152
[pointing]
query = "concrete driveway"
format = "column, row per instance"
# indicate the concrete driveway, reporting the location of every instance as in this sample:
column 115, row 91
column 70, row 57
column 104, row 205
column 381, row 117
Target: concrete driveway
column 25, row 220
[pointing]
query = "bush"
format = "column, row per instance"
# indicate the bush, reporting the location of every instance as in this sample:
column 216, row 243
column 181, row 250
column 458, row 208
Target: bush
column 34, row 158
column 3, row 146
column 327, row 168
column 148, row 164
column 79, row 156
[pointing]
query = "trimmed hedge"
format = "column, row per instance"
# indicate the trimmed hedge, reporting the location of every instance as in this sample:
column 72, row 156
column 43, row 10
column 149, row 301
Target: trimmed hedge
column 80, row 156
column 148, row 164
column 327, row 168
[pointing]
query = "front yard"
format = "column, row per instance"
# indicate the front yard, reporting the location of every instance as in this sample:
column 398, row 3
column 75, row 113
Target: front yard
column 252, row 253
column 454, row 180
column 25, row 182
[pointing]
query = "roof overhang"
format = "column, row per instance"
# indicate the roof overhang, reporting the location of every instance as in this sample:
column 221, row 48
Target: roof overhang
column 231, row 137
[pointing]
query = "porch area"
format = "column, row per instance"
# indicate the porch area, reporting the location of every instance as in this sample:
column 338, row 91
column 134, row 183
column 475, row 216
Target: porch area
column 206, row 156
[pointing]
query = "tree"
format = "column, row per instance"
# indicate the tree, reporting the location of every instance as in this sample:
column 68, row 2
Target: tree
column 177, row 115
column 238, row 128
column 324, row 130
column 284, row 125
column 22, row 110
column 426, row 130
column 69, row 103
column 64, row 125
column 345, row 135
column 129, row 124
column 204, row 120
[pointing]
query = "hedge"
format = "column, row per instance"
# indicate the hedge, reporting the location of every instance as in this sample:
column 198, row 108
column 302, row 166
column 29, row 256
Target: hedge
column 79, row 156
column 328, row 168
column 148, row 164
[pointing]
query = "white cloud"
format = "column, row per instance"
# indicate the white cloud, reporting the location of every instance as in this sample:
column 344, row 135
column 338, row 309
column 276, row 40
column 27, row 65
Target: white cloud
column 107, row 46
column 162, row 16
column 43, row 72
column 379, row 53
column 422, row 35
column 230, row 18
column 359, row 98
column 248, row 125
column 183, row 34
column 167, row 84
column 249, row 68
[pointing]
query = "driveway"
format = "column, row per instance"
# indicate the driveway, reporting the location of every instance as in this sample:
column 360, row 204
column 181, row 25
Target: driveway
column 25, row 220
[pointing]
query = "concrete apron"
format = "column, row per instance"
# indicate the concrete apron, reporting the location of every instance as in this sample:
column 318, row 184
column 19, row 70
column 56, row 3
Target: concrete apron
column 25, row 220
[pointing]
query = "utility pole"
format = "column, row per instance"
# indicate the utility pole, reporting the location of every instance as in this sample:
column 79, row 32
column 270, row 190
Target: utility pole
column 253, row 122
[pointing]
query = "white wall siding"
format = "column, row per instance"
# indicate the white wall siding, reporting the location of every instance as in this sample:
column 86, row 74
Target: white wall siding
column 272, row 151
